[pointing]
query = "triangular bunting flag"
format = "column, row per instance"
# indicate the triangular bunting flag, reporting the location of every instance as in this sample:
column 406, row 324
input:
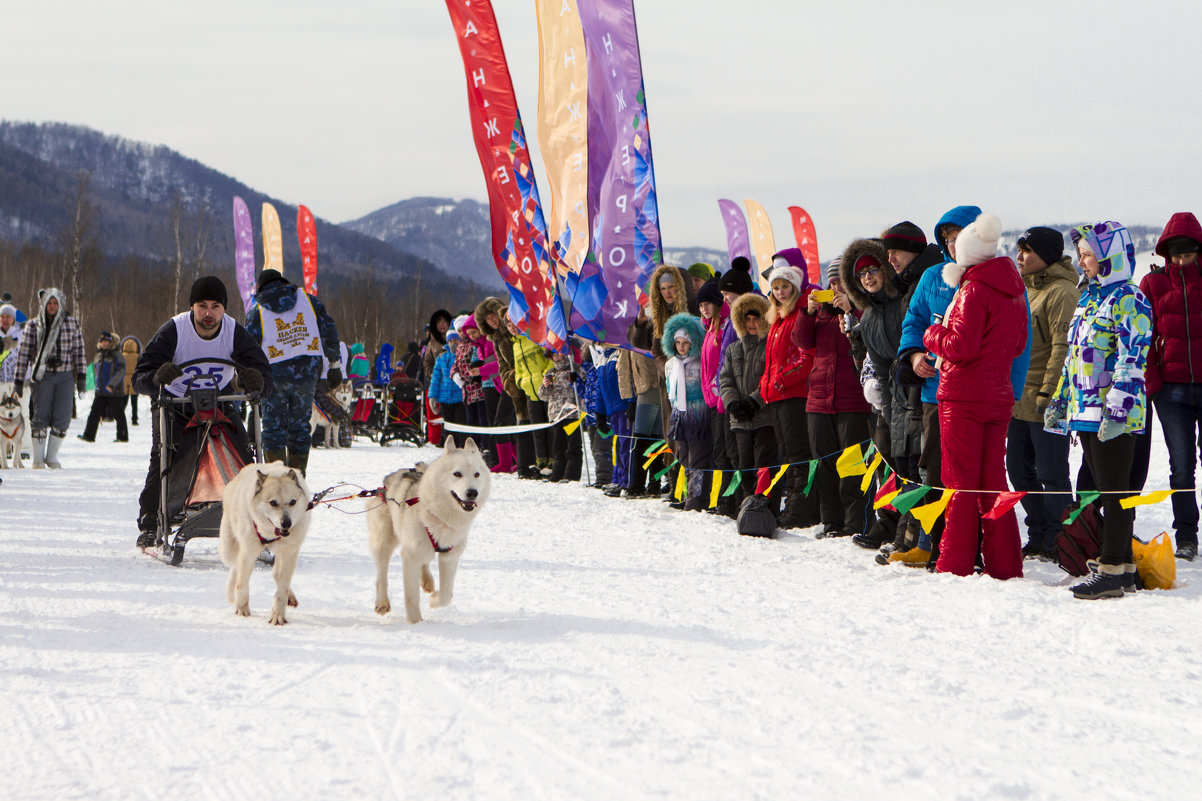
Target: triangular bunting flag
column 654, row 447
column 869, row 473
column 907, row 500
column 810, row 477
column 1144, row 500
column 927, row 515
column 1086, row 499
column 1004, row 502
column 734, row 484
column 850, row 462
column 682, row 484
column 715, row 487
column 572, row 426
column 776, row 478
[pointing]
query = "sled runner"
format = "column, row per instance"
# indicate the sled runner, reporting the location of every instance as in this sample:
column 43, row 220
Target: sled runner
column 203, row 447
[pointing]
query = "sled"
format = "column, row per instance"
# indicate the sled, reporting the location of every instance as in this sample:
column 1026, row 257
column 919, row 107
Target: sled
column 403, row 412
column 204, row 447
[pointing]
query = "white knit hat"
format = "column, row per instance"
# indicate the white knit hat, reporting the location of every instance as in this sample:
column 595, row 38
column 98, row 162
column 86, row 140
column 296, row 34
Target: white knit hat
column 978, row 241
column 783, row 271
column 8, row 309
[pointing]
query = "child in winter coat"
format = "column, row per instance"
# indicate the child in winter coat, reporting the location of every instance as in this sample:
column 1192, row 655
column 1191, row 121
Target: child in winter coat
column 446, row 398
column 689, row 423
column 559, row 391
column 465, row 371
column 739, row 384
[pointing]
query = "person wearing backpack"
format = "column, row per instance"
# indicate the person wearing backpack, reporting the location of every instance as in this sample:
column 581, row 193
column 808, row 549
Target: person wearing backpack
column 1101, row 394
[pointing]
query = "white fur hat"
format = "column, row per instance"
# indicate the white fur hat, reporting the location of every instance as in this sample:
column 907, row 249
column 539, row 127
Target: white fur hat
column 978, row 241
column 8, row 308
column 783, row 271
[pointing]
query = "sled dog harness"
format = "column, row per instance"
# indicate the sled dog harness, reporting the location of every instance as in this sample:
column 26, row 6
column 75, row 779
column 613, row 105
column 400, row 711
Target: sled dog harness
column 278, row 535
column 379, row 492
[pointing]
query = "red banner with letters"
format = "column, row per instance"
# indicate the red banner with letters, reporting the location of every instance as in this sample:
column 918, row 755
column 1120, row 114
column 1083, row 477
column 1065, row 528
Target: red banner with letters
column 306, row 235
column 519, row 232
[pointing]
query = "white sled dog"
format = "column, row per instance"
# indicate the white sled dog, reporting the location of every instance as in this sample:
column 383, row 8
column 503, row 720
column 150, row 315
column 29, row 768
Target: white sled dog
column 425, row 512
column 265, row 506
column 12, row 429
column 343, row 396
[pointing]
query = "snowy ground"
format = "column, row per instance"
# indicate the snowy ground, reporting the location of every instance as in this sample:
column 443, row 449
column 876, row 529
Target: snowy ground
column 596, row 649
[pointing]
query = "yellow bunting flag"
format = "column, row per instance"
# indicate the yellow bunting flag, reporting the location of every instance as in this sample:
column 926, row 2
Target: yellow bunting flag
column 614, row 458
column 851, row 462
column 927, row 515
column 572, row 426
column 870, row 472
column 1145, row 500
column 681, row 483
column 783, row 469
column 715, row 488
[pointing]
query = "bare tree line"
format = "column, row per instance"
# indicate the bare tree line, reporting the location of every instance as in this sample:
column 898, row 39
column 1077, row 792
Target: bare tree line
column 134, row 295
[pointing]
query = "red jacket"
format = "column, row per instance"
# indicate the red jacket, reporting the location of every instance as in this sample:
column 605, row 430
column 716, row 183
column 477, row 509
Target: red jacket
column 984, row 332
column 786, row 366
column 1175, row 293
column 834, row 384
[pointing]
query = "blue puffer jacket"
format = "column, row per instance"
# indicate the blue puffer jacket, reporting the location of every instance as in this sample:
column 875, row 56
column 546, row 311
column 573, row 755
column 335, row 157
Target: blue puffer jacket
column 932, row 296
column 442, row 387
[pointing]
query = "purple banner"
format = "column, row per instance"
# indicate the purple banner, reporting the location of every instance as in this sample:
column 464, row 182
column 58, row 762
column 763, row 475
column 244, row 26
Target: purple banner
column 244, row 252
column 625, row 220
column 736, row 229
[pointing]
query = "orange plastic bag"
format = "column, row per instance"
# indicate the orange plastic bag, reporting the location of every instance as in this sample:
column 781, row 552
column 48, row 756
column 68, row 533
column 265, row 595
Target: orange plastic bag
column 1155, row 562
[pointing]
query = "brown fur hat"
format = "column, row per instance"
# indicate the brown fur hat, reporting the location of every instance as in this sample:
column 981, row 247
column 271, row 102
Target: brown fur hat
column 745, row 302
column 875, row 249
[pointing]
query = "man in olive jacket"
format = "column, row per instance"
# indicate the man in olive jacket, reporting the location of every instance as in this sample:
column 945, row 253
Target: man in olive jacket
column 1037, row 460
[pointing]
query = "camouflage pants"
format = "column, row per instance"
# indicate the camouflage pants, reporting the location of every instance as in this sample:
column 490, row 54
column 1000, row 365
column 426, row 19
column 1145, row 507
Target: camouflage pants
column 286, row 413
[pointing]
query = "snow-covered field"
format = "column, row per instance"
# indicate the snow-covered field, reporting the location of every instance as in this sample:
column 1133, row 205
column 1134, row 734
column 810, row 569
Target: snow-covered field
column 596, row 649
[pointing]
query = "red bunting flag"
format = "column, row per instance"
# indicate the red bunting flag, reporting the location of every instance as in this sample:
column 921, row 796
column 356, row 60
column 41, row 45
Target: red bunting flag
column 1004, row 503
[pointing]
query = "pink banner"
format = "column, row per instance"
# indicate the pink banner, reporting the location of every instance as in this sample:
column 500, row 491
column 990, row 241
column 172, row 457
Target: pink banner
column 244, row 252
column 306, row 235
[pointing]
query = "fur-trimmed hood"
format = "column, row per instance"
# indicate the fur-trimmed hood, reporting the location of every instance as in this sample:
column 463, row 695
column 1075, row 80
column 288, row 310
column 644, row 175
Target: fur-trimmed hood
column 743, row 304
column 682, row 322
column 491, row 306
column 685, row 303
column 847, row 271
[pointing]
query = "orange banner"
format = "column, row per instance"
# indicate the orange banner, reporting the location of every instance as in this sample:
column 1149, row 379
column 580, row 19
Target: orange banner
column 763, row 244
column 273, row 240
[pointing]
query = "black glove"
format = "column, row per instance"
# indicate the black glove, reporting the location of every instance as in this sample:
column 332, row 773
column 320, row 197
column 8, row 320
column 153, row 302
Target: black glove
column 743, row 409
column 19, row 388
column 168, row 372
column 630, row 409
column 81, row 383
column 250, row 379
column 334, row 377
column 905, row 375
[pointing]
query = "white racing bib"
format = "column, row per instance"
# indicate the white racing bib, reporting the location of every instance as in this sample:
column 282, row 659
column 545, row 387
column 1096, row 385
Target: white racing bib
column 189, row 347
column 292, row 333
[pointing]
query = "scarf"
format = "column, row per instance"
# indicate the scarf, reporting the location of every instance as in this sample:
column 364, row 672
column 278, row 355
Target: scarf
column 47, row 330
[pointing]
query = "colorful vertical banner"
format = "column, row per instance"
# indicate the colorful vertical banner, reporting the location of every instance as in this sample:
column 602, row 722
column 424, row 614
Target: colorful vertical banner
column 244, row 252
column 625, row 247
column 273, row 240
column 563, row 127
column 737, row 243
column 306, row 237
column 807, row 240
column 763, row 243
column 519, row 233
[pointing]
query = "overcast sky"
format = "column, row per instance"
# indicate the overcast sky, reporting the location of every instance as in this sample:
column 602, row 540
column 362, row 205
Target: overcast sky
column 864, row 113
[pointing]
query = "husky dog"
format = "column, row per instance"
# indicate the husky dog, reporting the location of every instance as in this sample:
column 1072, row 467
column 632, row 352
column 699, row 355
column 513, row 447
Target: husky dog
column 342, row 395
column 12, row 428
column 265, row 506
column 426, row 512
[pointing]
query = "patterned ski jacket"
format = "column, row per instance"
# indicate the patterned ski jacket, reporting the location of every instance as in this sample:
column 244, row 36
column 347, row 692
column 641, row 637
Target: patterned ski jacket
column 1108, row 339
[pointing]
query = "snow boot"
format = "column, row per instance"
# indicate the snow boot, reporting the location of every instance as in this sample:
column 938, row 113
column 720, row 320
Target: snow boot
column 504, row 459
column 54, row 442
column 914, row 557
column 298, row 461
column 39, row 451
column 275, row 455
column 1103, row 581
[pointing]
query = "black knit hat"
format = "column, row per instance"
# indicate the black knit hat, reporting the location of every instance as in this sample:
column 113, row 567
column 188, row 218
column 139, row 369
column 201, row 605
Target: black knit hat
column 1180, row 245
column 208, row 287
column 1046, row 243
column 268, row 277
column 738, row 278
column 709, row 292
column 905, row 236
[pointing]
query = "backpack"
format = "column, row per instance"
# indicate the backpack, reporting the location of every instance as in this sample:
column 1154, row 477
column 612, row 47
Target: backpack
column 1078, row 541
column 756, row 518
